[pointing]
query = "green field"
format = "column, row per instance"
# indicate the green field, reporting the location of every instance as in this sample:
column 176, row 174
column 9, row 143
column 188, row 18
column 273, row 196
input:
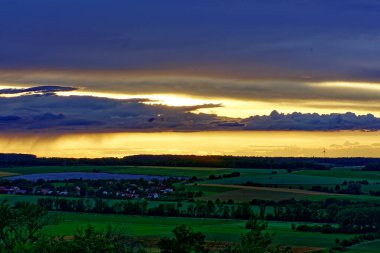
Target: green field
column 277, row 185
column 208, row 190
column 281, row 179
column 15, row 198
column 342, row 173
column 34, row 199
column 172, row 171
column 260, row 176
column 366, row 247
column 214, row 229
column 246, row 194
column 144, row 170
column 7, row 174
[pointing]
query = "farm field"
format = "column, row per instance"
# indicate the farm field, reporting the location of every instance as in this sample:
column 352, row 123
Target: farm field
column 265, row 185
column 85, row 176
column 172, row 171
column 280, row 179
column 34, row 199
column 143, row 170
column 259, row 176
column 12, row 199
column 365, row 247
column 342, row 173
column 214, row 229
column 247, row 193
column 7, row 174
column 227, row 188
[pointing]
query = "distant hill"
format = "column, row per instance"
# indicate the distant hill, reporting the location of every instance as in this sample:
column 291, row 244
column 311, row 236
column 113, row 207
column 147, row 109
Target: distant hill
column 290, row 163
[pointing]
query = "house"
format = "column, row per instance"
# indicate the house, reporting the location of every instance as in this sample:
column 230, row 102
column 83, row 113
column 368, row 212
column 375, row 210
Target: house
column 46, row 191
column 64, row 193
column 5, row 190
column 153, row 196
column 167, row 190
column 11, row 190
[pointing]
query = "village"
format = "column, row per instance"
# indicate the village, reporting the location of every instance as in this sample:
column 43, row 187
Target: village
column 110, row 189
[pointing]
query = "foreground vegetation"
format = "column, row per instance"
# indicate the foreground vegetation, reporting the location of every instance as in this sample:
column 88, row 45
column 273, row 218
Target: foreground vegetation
column 21, row 230
column 310, row 204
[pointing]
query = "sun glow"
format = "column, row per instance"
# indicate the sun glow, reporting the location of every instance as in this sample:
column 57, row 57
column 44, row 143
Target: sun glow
column 257, row 143
column 166, row 99
column 353, row 85
column 238, row 108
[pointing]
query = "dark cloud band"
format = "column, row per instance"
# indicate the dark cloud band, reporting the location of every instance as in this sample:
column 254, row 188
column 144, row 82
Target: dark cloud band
column 30, row 113
column 317, row 40
column 37, row 90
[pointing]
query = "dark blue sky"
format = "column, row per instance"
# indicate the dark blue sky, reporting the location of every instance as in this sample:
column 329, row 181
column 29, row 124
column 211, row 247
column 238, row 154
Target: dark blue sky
column 240, row 57
column 321, row 40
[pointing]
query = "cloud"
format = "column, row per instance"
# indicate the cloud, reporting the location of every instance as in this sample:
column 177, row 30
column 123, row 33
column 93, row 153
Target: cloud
column 36, row 90
column 298, row 40
column 312, row 122
column 36, row 113
column 56, row 113
column 121, row 82
column 9, row 118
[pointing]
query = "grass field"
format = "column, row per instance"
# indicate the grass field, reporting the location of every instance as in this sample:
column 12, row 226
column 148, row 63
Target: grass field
column 280, row 179
column 214, row 229
column 144, row 170
column 15, row 198
column 247, row 193
column 172, row 171
column 366, row 247
column 151, row 204
column 152, row 228
column 240, row 193
column 7, row 174
column 34, row 199
column 342, row 173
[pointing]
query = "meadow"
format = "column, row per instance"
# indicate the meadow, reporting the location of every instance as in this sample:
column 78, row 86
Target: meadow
column 265, row 184
column 367, row 247
column 214, row 229
column 140, row 170
column 288, row 185
column 247, row 193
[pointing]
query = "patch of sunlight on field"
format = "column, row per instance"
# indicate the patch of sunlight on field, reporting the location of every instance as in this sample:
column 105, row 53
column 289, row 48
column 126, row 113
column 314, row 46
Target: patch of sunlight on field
column 7, row 174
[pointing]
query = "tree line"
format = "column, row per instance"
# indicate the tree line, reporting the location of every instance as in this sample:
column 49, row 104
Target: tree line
column 289, row 163
column 327, row 211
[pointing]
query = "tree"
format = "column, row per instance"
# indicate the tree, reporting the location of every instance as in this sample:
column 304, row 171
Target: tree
column 20, row 227
column 90, row 240
column 257, row 240
column 185, row 241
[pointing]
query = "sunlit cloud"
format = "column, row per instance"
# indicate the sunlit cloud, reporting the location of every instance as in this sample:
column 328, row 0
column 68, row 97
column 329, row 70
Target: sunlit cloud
column 239, row 97
column 351, row 85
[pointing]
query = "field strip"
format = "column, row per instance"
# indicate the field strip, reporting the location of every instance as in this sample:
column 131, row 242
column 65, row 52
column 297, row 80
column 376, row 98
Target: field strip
column 303, row 249
column 169, row 168
column 273, row 189
column 7, row 174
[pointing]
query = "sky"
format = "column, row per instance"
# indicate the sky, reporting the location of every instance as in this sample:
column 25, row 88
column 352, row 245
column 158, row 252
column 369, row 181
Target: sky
column 121, row 66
